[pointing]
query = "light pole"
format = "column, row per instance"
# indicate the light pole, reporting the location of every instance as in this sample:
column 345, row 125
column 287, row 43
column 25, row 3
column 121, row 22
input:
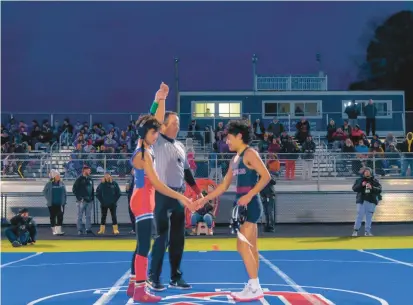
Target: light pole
column 254, row 73
column 178, row 104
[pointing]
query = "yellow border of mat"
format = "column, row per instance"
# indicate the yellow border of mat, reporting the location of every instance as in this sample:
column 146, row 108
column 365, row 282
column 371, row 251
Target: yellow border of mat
column 221, row 244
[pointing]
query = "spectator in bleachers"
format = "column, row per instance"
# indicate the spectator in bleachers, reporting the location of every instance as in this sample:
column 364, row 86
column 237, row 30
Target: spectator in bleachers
column 339, row 136
column 259, row 129
column 276, row 128
column 370, row 111
column 110, row 140
column 376, row 152
column 124, row 139
column 108, row 194
column 390, row 139
column 219, row 130
column 290, row 154
column 331, row 129
column 392, row 156
column 375, row 139
column 303, row 130
column 264, row 144
column 356, row 134
column 284, row 137
column 352, row 112
column 275, row 146
column 346, row 128
column 55, row 193
column 406, row 148
column 308, row 150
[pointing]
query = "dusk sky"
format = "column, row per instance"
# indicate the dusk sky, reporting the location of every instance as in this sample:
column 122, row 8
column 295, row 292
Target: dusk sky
column 107, row 56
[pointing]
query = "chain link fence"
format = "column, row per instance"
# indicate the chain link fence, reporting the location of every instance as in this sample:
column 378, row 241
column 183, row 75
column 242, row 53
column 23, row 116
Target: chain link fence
column 290, row 207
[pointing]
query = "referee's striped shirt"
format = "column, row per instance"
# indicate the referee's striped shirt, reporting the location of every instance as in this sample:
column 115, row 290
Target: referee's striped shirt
column 170, row 161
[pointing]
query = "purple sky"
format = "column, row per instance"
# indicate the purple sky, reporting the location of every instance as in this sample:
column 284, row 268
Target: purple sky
column 113, row 55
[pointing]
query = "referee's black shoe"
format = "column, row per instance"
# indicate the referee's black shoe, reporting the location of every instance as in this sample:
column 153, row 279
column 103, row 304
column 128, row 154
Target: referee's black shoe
column 179, row 284
column 155, row 285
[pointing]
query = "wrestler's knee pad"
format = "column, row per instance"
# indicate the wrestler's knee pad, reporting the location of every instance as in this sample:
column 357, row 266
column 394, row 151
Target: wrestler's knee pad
column 144, row 236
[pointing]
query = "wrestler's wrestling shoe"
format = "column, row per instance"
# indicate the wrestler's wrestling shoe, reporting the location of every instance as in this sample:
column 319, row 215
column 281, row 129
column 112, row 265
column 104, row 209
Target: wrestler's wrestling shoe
column 141, row 294
column 248, row 294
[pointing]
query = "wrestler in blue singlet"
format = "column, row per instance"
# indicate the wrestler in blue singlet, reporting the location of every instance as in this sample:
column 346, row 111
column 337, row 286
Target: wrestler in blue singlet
column 246, row 179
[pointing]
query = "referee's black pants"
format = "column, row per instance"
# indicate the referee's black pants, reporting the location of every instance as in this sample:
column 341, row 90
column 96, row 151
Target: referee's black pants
column 170, row 226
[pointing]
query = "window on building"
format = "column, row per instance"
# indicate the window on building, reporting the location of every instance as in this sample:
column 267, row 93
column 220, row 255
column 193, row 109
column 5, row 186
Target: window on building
column 384, row 107
column 209, row 109
column 229, row 110
column 203, row 109
column 293, row 109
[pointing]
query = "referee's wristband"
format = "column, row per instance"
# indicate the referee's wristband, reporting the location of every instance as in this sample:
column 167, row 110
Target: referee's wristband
column 154, row 107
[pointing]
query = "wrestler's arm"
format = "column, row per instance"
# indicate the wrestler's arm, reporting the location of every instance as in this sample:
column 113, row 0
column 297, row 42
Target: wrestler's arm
column 147, row 164
column 252, row 158
column 220, row 189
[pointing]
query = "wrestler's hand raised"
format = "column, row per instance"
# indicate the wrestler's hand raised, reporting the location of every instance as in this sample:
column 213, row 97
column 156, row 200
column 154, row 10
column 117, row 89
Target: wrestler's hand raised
column 162, row 93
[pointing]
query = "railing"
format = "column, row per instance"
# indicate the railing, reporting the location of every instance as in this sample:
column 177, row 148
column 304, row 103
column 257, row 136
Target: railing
column 63, row 135
column 291, row 83
column 323, row 165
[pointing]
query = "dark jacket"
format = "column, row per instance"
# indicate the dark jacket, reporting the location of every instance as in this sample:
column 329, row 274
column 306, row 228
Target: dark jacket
column 131, row 184
column 308, row 150
column 269, row 190
column 84, row 189
column 108, row 193
column 371, row 196
column 352, row 111
column 206, row 209
column 20, row 225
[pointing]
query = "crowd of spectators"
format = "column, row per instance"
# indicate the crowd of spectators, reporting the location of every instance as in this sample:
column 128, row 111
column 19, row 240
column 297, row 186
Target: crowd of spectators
column 107, row 148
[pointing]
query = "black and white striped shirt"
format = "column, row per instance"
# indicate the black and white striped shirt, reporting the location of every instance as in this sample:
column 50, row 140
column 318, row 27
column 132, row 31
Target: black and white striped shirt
column 171, row 161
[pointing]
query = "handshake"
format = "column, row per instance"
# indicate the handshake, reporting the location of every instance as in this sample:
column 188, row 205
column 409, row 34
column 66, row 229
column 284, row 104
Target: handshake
column 194, row 206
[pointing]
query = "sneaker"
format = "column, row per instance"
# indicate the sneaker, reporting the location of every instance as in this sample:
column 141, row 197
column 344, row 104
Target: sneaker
column 355, row 233
column 179, row 284
column 142, row 295
column 248, row 294
column 132, row 232
column 155, row 285
column 79, row 232
column 368, row 234
column 16, row 244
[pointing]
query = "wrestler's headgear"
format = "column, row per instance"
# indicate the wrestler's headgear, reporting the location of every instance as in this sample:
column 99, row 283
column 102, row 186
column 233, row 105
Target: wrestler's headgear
column 237, row 218
column 144, row 125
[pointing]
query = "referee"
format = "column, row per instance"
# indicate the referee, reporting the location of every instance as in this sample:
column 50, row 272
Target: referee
column 173, row 169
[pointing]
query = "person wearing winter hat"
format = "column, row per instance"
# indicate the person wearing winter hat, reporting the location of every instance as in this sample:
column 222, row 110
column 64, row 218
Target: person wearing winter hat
column 55, row 193
column 368, row 190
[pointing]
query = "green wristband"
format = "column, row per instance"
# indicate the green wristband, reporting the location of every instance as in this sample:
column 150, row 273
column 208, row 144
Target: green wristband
column 154, row 107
